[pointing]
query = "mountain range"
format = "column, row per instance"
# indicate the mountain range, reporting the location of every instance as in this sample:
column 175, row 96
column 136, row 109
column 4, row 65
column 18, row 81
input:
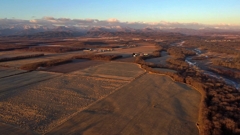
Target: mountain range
column 71, row 31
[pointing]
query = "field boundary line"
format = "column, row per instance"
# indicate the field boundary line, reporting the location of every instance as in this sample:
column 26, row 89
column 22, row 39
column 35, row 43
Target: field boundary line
column 15, row 74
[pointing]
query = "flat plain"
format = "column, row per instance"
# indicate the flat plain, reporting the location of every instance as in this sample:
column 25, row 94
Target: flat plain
column 49, row 56
column 94, row 97
column 7, row 54
column 114, row 70
column 44, row 105
column 151, row 104
column 73, row 66
column 5, row 72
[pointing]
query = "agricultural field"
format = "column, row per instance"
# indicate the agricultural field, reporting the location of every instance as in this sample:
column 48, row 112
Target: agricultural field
column 151, row 104
column 8, row 54
column 5, row 72
column 90, row 92
column 149, row 48
column 14, row 83
column 75, row 65
column 11, row 130
column 42, row 106
column 114, row 70
column 19, row 63
column 38, row 101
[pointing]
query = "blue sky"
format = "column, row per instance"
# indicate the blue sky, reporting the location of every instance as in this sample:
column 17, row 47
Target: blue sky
column 183, row 11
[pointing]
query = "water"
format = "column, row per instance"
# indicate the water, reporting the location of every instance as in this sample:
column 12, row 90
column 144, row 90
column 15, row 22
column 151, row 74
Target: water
column 226, row 80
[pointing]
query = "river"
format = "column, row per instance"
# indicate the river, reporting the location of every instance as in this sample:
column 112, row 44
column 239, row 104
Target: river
column 194, row 63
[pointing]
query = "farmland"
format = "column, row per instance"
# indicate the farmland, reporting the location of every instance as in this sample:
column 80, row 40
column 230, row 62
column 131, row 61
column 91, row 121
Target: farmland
column 38, row 102
column 41, row 106
column 5, row 72
column 55, row 87
column 20, row 63
column 73, row 66
column 152, row 104
column 117, row 70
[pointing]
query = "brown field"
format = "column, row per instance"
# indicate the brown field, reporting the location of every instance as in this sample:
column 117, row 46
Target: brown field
column 94, row 97
column 19, row 63
column 42, row 106
column 8, row 54
column 14, row 83
column 151, row 104
column 114, row 70
column 53, row 49
column 149, row 48
column 11, row 130
column 89, row 101
column 73, row 66
column 5, row 72
column 8, row 47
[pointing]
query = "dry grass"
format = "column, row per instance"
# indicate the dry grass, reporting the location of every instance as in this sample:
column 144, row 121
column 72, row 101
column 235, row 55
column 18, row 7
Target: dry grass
column 52, row 49
column 143, row 49
column 17, row 53
column 45, row 105
column 152, row 104
column 15, row 82
column 4, row 72
column 114, row 70
column 11, row 130
column 8, row 47
column 48, row 57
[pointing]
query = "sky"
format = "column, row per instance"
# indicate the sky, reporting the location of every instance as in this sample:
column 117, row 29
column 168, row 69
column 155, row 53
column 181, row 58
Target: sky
column 183, row 11
column 193, row 14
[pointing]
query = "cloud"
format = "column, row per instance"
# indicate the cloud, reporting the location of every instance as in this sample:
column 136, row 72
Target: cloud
column 112, row 22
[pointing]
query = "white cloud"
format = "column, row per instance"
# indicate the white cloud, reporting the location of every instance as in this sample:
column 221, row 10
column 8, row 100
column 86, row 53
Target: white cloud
column 112, row 22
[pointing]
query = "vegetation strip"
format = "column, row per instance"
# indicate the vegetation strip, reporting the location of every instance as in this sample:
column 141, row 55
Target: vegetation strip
column 98, row 57
column 20, row 57
column 49, row 63
column 54, row 62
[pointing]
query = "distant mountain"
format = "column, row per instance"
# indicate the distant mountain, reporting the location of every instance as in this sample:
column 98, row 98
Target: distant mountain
column 72, row 31
column 202, row 32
